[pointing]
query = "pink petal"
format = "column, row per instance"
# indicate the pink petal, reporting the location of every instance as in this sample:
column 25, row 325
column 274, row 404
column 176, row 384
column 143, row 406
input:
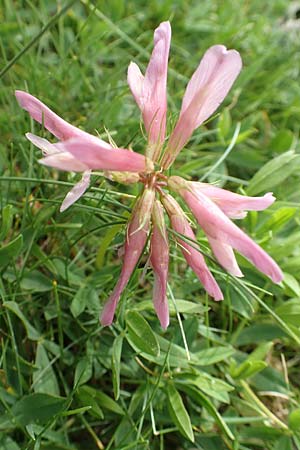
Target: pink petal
column 150, row 92
column 217, row 226
column 55, row 156
column 77, row 191
column 234, row 205
column 63, row 161
column 135, row 79
column 191, row 252
column 98, row 157
column 225, row 256
column 137, row 234
column 159, row 258
column 47, row 147
column 205, row 91
column 52, row 122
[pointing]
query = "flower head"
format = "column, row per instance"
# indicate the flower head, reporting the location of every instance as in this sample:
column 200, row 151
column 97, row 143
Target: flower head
column 211, row 206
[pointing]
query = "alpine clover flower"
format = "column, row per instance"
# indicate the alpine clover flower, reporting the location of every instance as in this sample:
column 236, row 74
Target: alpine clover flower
column 212, row 206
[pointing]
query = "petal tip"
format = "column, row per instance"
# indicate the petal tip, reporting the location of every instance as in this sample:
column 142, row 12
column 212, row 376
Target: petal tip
column 277, row 276
column 107, row 315
column 21, row 97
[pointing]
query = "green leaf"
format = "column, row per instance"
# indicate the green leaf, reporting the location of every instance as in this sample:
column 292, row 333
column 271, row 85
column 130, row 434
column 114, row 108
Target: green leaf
column 87, row 397
column 7, row 218
column 261, row 351
column 6, row 443
column 103, row 400
column 285, row 443
column 86, row 297
column 212, row 386
column 291, row 285
column 36, row 281
column 79, row 301
column 182, row 306
column 141, row 334
column 213, row 355
column 105, row 243
column 282, row 141
column 260, row 332
column 83, row 371
column 224, row 123
column 11, row 250
column 32, row 333
column 290, row 312
column 274, row 172
column 178, row 413
column 247, row 369
column 44, row 378
column 38, row 408
column 277, row 220
column 294, row 420
column 108, row 403
column 202, row 400
column 115, row 365
column 270, row 380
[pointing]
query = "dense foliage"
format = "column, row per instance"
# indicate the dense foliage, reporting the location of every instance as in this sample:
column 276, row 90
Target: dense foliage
column 223, row 375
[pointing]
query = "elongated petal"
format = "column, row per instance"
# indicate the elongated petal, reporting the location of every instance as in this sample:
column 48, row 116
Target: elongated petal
column 218, row 226
column 191, row 251
column 150, row 91
column 137, row 233
column 77, row 191
column 47, row 147
column 55, row 156
column 52, row 122
column 159, row 258
column 225, row 256
column 234, row 205
column 135, row 80
column 97, row 157
column 63, row 161
column 205, row 91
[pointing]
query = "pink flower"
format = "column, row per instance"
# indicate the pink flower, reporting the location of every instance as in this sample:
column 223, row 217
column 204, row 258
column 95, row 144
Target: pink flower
column 212, row 206
column 191, row 252
column 137, row 234
column 159, row 258
column 224, row 234
column 205, row 91
column 150, row 91
column 233, row 205
column 77, row 150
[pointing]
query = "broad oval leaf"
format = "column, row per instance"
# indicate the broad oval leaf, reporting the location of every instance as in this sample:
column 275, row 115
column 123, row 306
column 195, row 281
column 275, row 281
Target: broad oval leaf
column 44, row 378
column 83, row 371
column 141, row 334
column 36, row 281
column 214, row 355
column 274, row 172
column 179, row 413
column 39, row 408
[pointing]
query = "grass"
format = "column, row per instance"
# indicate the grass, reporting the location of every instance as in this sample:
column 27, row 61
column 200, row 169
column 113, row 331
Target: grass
column 225, row 376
